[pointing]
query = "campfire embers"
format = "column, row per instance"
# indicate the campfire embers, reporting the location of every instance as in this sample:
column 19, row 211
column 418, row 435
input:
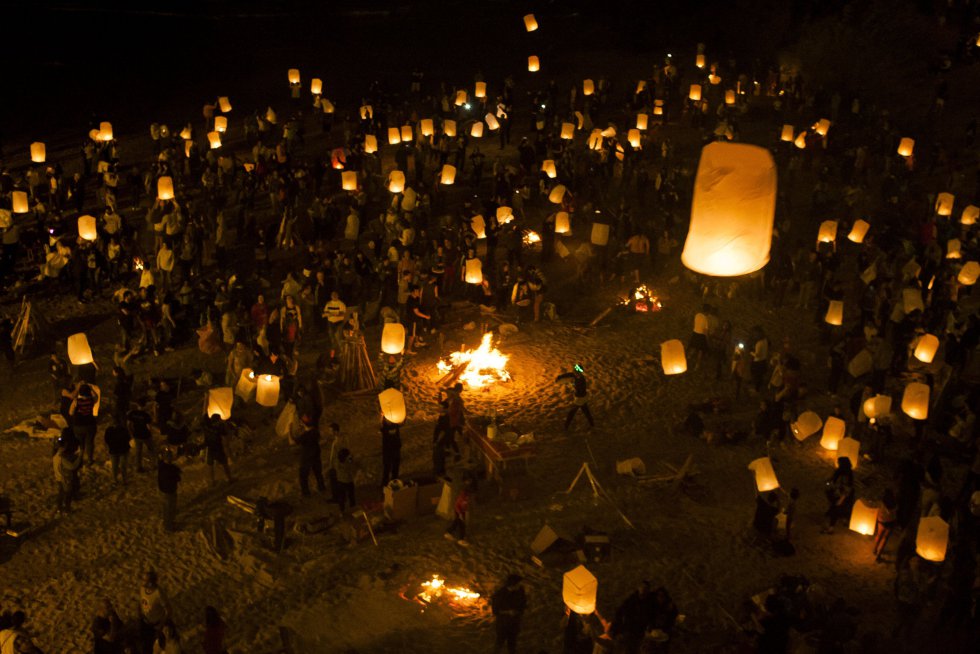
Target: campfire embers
column 531, row 238
column 477, row 368
column 436, row 589
column 643, row 300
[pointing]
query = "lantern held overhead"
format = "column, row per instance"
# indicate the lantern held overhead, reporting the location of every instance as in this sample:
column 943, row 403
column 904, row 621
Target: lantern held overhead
column 392, row 405
column 834, row 430
column 220, row 401
column 915, row 400
column 38, row 153
column 578, row 589
column 932, row 539
column 765, row 476
column 86, row 228
column 79, row 352
column 393, row 338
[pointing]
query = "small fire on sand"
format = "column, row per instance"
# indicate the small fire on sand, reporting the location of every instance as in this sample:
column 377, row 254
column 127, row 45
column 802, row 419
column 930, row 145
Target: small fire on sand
column 481, row 367
column 436, row 588
column 530, row 238
column 643, row 300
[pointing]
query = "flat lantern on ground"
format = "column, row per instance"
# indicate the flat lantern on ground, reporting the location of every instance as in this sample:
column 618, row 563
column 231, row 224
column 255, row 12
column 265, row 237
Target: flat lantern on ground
column 479, row 226
column 79, row 352
column 944, row 204
column 834, row 430
column 905, row 147
column 393, row 338
column 633, row 136
column 864, row 518
column 730, row 97
column 672, row 357
column 827, row 232
column 835, row 313
column 530, row 23
column 732, row 211
column 267, row 390
column 165, row 188
column 396, row 181
column 448, row 175
column 926, row 348
column 316, row 86
column 695, row 93
column 806, row 425
column 563, row 224
column 849, row 448
column 392, row 405
column 588, row 87
column 245, row 388
column 293, row 75
column 858, row 231
column 105, row 131
column 915, row 400
column 348, row 180
column 370, row 144
column 578, row 589
column 224, row 105
column 642, row 121
column 476, row 131
column 548, row 168
column 220, row 124
column 87, row 229
column 38, row 153
column 214, row 139
column 19, row 202
column 220, row 401
column 474, row 271
column 533, row 64
column 877, row 407
column 568, row 131
column 765, row 476
column 932, row 539
column 480, row 90
column 970, row 215
column 449, row 128
column 969, row 273
column 786, row 134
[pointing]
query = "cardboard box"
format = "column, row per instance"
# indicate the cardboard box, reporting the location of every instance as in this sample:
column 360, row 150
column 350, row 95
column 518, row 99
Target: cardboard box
column 400, row 505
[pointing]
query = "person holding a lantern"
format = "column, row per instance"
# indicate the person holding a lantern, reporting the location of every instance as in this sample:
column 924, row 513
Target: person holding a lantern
column 840, row 494
column 308, row 443
column 84, row 422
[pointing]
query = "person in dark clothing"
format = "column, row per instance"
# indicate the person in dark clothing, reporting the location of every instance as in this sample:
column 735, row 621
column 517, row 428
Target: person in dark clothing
column 442, row 440
column 117, row 443
column 840, row 493
column 83, row 411
column 634, row 618
column 775, row 624
column 508, row 604
column 309, row 458
column 391, row 450
column 577, row 378
column 168, row 478
column 214, row 441
column 139, row 427
column 766, row 510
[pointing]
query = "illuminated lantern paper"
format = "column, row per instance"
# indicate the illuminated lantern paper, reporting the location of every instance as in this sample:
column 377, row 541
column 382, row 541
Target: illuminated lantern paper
column 861, row 364
column 926, row 348
column 449, row 127
column 480, row 90
column 729, row 97
column 474, row 271
column 864, row 518
column 393, row 338
column 953, row 249
column 214, row 139
column 595, row 140
column 188, row 148
column 633, row 136
column 491, row 121
column 658, row 109
column 406, row 134
column 877, row 407
column 392, row 405
column 905, row 147
column 267, row 390
column 858, row 231
column 695, row 93
column 713, row 79
column 699, row 61
column 186, row 134
column 38, row 153
column 370, row 144
column 293, row 75
column 476, row 131
column 765, row 476
column 672, row 357
column 105, row 131
column 426, row 127
column 448, row 175
column 786, row 134
column 915, row 400
column 533, row 64
column 316, row 86
column 95, row 135
column 833, row 431
column 220, row 401
column 394, row 136
column 800, row 141
column 220, row 124
column 348, row 180
column 588, row 87
column 563, row 224
column 479, row 226
column 944, row 204
column 19, row 202
column 848, row 448
column 600, row 234
column 460, row 98
column 270, row 116
column 79, row 352
column 327, row 105
column 827, row 232
column 224, row 105
column 530, row 23
column 504, row 215
column 557, row 194
column 970, row 215
column 245, row 388
column 835, row 313
column 932, row 539
column 732, row 210
column 86, row 228
column 822, row 126
column 165, row 188
column 808, row 424
column 578, row 589
column 912, row 300
column 642, row 121
column 367, row 112
column 396, row 181
column 568, row 131
column 548, row 168
column 969, row 273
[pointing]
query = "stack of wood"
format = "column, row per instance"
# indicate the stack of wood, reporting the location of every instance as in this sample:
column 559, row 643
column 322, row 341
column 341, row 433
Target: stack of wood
column 356, row 372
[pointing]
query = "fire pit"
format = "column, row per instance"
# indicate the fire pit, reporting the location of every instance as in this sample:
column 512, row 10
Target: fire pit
column 436, row 592
column 642, row 300
column 477, row 368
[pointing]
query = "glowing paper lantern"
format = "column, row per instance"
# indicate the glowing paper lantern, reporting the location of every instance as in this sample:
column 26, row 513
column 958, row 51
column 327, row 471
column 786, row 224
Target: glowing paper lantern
column 578, row 590
column 293, row 75
column 915, row 400
column 504, row 215
column 188, row 148
column 460, row 98
column 926, row 348
column 732, row 210
column 970, row 215
column 479, row 226
column 861, row 364
column 392, row 405
column 394, row 136
column 220, row 124
column 600, row 234
column 588, row 87
column 220, row 401
column 944, row 204
column 877, row 407
column 448, row 175
column 396, row 181
column 800, row 141
column 491, row 121
column 186, row 134
column 224, row 105
column 835, row 313
column 270, row 116
column 932, row 539
column 548, row 168
column 633, row 136
column 38, row 153
column 699, row 61
column 406, row 134
column 316, row 86
column 245, row 388
column 370, row 144
column 105, row 131
column 808, row 424
column 864, row 518
column 165, row 188
column 641, row 86
column 19, row 201
column 474, row 271
column 858, row 231
column 786, row 134
column 672, row 357
column 953, row 249
column 595, row 140
column 568, row 131
column 905, row 147
column 729, row 97
column 912, row 300
column 713, row 79
column 393, row 338
column 642, row 121
column 366, row 111
column 530, row 23
column 827, row 232
column 426, row 127
column 480, row 90
column 695, row 93
column 557, row 194
column 267, row 390
column 348, row 180
column 969, row 273
column 86, row 228
column 449, row 127
column 765, row 476
column 79, row 352
column 658, row 109
column 833, row 431
column 563, row 224
column 848, row 448
column 476, row 131
column 214, row 139
column 533, row 64
column 822, row 126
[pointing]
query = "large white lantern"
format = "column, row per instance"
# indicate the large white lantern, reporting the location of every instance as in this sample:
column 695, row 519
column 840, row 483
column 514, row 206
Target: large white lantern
column 786, row 134
column 38, row 153
column 474, row 271
column 393, row 338
column 833, row 432
column 808, row 424
column 926, row 348
column 915, row 400
column 220, row 401
column 827, row 232
column 672, row 357
column 765, row 476
column 267, row 390
column 588, row 87
column 932, row 539
column 316, row 86
column 858, row 231
column 476, row 130
column 214, row 140
column 165, row 188
column 407, row 134
column 642, row 121
column 394, row 136
column 479, row 226
column 579, row 588
column 392, row 405
column 864, row 518
column 79, row 352
column 449, row 128
column 549, row 169
column 105, row 131
column 732, row 210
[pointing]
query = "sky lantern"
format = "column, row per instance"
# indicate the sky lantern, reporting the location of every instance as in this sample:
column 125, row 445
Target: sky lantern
column 394, row 136
column 105, row 131
column 38, row 152
column 786, row 134
column 392, row 405
column 548, row 168
column 926, row 348
column 406, row 134
column 480, row 90
column 220, row 401
column 858, row 231
column 448, row 175
column 396, row 181
column 730, row 97
column 672, row 357
column 595, row 140
column 557, row 194
column 714, row 80
column 530, row 23
column 474, row 271
column 224, row 105
column 460, row 98
column 732, row 210
column 822, row 127
column 834, row 430
column 658, row 107
column 864, row 518
column 165, row 188
column 563, row 224
column 849, row 448
column 970, row 215
column 328, row 107
column 293, row 75
column 915, row 400
column 491, row 121
column 808, row 424
column 905, row 147
column 348, row 180
column 932, row 539
column 186, row 133
column 245, row 388
column 19, row 201
column 370, row 144
column 426, row 127
column 267, row 390
column 827, row 232
column 86, row 228
column 214, row 139
column 393, row 338
column 367, row 112
column 479, row 226
column 79, row 352
column 600, row 234
column 640, row 87
column 476, row 131
column 578, row 589
column 765, row 476
column 877, row 407
column 695, row 93
column 316, row 86
column 449, row 128
column 188, row 147
column 953, row 249
column 504, row 215
column 633, row 136
column 642, row 121
column 588, row 87
column 835, row 313
column 533, row 64
column 944, row 204
column 800, row 141
column 220, row 124
column 699, row 61
column 568, row 131
column 969, row 273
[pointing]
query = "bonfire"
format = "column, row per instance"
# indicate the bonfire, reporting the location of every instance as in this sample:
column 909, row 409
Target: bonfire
column 480, row 367
column 436, row 588
column 643, row 300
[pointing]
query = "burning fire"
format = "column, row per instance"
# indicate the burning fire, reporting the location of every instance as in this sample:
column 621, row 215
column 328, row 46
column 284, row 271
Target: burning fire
column 137, row 264
column 436, row 588
column 483, row 366
column 530, row 238
column 643, row 300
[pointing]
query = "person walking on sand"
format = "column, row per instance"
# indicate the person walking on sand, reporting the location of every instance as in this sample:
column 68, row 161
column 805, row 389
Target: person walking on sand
column 214, row 441
column 309, row 457
column 117, row 443
column 577, row 378
column 67, row 460
column 391, row 450
column 461, row 514
column 154, row 610
column 168, row 478
column 508, row 604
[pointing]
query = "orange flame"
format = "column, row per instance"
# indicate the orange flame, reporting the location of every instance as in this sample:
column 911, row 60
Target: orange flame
column 484, row 365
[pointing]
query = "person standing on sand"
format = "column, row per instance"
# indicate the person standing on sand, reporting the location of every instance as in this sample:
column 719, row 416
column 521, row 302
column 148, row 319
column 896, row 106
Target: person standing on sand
column 168, row 478
column 215, row 628
column 391, row 450
column 508, row 604
column 461, row 515
column 577, row 378
column 154, row 610
column 309, row 457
